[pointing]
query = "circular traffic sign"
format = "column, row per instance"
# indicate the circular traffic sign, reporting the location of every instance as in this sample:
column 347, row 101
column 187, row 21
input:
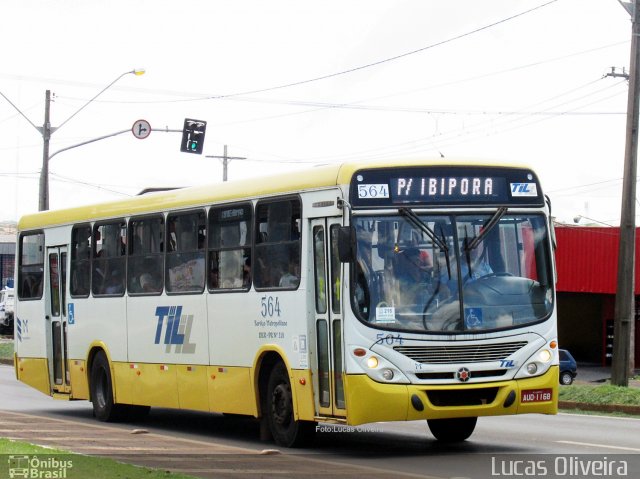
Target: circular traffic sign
column 141, row 129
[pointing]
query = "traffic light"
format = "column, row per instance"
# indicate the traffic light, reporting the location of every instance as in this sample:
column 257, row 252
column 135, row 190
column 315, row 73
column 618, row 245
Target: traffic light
column 193, row 136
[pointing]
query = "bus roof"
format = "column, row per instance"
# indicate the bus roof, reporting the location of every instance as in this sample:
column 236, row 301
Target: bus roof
column 309, row 179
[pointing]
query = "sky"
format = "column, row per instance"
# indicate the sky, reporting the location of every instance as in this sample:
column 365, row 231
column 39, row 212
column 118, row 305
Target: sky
column 289, row 84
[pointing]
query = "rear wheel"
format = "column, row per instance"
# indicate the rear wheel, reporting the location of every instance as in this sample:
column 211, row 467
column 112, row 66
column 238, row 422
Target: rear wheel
column 104, row 408
column 286, row 431
column 452, row 430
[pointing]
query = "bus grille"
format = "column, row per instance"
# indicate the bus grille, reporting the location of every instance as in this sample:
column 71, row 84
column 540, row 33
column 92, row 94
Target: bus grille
column 460, row 354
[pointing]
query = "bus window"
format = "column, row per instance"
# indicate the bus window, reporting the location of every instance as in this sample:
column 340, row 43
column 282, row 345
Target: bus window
column 230, row 247
column 144, row 266
column 335, row 270
column 80, row 260
column 108, row 262
column 31, row 267
column 319, row 269
column 186, row 236
column 277, row 253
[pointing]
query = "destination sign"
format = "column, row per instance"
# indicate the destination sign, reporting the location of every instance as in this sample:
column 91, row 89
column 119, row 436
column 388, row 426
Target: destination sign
column 445, row 185
column 451, row 188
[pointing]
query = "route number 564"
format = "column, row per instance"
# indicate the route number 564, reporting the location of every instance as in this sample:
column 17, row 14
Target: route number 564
column 269, row 306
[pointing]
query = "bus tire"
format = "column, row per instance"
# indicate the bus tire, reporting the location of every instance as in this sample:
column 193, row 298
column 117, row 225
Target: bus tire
column 453, row 429
column 286, row 431
column 104, row 408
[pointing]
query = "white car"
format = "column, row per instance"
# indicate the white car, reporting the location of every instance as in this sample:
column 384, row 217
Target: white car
column 7, row 301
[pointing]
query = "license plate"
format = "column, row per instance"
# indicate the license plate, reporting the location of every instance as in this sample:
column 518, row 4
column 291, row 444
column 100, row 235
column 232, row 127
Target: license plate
column 536, row 395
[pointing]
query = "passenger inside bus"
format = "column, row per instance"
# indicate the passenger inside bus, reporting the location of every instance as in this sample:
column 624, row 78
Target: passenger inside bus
column 412, row 270
column 81, row 271
column 186, row 263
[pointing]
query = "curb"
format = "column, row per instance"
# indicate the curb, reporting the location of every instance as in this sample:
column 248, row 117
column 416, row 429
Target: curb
column 628, row 409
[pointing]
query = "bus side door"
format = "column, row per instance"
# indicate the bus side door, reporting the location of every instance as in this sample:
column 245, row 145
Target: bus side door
column 328, row 317
column 56, row 318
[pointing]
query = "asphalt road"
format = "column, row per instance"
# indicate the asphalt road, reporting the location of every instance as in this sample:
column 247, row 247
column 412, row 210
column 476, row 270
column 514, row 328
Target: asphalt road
column 210, row 445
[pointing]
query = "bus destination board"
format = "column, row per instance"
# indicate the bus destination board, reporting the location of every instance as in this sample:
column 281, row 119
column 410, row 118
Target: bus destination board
column 445, row 186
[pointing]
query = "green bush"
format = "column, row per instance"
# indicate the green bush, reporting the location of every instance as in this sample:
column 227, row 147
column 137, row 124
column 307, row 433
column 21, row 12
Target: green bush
column 80, row 466
column 6, row 350
column 602, row 394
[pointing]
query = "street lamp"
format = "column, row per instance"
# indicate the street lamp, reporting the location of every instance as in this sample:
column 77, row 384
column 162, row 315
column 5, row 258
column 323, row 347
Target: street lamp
column 46, row 130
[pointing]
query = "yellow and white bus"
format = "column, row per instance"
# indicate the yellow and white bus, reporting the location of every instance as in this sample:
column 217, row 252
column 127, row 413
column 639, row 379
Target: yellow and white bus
column 346, row 294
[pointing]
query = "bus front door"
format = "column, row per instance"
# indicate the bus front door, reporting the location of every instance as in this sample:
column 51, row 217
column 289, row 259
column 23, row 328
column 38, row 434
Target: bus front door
column 56, row 318
column 328, row 318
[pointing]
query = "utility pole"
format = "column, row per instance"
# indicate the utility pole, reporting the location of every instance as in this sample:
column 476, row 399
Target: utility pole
column 624, row 316
column 615, row 74
column 45, row 130
column 225, row 161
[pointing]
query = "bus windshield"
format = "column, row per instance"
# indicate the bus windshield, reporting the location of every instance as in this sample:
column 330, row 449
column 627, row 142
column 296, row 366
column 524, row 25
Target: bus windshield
column 454, row 273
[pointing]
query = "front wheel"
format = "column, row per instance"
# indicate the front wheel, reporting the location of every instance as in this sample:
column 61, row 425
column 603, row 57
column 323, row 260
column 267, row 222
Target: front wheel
column 286, row 431
column 452, row 430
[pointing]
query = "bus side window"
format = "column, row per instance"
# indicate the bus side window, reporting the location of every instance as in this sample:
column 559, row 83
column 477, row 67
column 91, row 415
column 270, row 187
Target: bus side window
column 109, row 260
column 31, row 266
column 80, row 260
column 230, row 247
column 277, row 253
column 186, row 237
column 145, row 262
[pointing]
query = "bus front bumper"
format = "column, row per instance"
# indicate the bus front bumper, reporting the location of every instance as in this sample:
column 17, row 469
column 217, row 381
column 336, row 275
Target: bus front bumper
column 370, row 401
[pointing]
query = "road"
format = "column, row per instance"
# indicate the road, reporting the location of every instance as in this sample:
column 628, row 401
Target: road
column 206, row 444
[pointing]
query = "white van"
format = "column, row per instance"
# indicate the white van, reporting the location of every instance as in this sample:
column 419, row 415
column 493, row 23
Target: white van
column 7, row 301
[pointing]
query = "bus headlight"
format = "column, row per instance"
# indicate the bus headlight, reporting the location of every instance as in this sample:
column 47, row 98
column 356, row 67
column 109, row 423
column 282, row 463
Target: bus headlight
column 545, row 356
column 377, row 367
column 387, row 374
column 537, row 364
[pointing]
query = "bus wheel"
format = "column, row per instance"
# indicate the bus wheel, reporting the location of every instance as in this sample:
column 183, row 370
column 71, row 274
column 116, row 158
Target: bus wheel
column 453, row 429
column 104, row 409
column 286, row 431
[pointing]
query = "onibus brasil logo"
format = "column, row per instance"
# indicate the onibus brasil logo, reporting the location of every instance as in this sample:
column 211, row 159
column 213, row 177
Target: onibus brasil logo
column 49, row 467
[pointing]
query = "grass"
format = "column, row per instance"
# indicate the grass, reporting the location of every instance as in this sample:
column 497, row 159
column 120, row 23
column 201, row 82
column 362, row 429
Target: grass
column 601, row 394
column 6, row 350
column 80, row 466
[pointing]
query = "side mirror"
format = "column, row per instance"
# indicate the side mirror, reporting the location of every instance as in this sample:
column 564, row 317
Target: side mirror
column 347, row 244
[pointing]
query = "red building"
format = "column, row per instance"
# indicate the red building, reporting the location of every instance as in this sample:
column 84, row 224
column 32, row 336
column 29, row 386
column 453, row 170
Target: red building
column 587, row 264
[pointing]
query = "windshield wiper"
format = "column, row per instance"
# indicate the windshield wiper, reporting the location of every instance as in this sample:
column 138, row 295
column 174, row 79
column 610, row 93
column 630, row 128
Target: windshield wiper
column 488, row 226
column 415, row 220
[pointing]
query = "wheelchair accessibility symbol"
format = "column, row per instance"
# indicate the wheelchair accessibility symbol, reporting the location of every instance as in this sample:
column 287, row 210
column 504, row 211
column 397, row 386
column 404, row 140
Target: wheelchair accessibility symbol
column 473, row 318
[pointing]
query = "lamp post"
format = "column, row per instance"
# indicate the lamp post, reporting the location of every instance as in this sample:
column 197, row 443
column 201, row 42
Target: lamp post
column 46, row 130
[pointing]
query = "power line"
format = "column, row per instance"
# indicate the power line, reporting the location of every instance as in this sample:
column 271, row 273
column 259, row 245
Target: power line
column 386, row 60
column 368, row 65
column 66, row 179
column 418, row 144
